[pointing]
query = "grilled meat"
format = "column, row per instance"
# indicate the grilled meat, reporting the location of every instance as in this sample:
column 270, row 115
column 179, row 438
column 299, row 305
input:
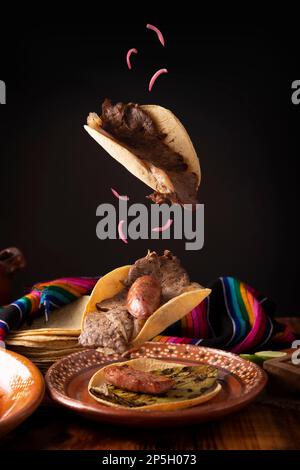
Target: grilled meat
column 143, row 297
column 110, row 327
column 134, row 380
column 132, row 126
column 174, row 277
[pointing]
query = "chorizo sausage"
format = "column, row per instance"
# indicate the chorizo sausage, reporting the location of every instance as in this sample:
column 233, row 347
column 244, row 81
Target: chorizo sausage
column 143, row 297
column 139, row 381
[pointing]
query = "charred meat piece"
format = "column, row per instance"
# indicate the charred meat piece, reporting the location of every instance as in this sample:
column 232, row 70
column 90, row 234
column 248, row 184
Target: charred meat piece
column 147, row 266
column 184, row 186
column 166, row 269
column 174, row 276
column 161, row 198
column 113, row 303
column 143, row 297
column 131, row 124
column 128, row 122
column 134, row 380
column 133, row 127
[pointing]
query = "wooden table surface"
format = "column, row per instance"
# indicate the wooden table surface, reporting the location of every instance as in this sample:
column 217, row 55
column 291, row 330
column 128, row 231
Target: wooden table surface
column 272, row 422
column 259, row 426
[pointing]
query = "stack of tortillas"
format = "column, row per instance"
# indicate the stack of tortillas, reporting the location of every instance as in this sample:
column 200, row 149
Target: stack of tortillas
column 45, row 342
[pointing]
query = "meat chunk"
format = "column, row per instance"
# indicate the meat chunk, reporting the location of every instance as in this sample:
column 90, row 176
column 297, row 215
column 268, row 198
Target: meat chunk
column 183, row 185
column 166, row 269
column 143, row 297
column 118, row 301
column 161, row 198
column 134, row 380
column 112, row 329
column 147, row 266
column 174, row 276
column 128, row 121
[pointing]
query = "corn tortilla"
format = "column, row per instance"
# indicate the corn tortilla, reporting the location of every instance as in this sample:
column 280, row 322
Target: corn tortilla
column 98, row 381
column 172, row 311
column 177, row 139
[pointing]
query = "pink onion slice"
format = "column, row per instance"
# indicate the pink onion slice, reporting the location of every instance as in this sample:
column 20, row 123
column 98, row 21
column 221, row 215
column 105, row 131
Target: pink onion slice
column 122, row 198
column 158, row 32
column 155, row 76
column 164, row 227
column 121, row 233
column 128, row 56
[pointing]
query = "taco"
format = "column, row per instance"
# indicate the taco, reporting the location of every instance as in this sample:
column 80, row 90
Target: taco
column 153, row 145
column 151, row 384
column 133, row 304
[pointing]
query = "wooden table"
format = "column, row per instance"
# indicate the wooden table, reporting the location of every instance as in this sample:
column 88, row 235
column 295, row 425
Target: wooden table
column 272, row 422
column 259, row 426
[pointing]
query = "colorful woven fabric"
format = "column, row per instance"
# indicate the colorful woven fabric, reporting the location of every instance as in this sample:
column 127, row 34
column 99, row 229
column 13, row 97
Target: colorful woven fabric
column 234, row 317
column 44, row 298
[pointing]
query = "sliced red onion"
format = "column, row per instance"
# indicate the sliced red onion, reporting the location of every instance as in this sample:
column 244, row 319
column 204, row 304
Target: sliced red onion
column 128, row 56
column 164, row 227
column 120, row 231
column 155, row 76
column 122, row 198
column 158, row 32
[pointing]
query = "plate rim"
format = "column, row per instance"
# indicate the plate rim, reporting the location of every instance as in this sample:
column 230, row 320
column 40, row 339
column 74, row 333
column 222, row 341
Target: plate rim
column 25, row 411
column 106, row 411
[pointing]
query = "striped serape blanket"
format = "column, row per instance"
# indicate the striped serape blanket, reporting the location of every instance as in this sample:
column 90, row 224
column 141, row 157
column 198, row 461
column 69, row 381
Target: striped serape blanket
column 234, row 317
column 43, row 299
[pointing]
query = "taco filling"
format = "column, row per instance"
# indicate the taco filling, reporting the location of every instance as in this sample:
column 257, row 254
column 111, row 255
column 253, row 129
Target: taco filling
column 151, row 282
column 134, row 380
column 149, row 383
column 133, row 127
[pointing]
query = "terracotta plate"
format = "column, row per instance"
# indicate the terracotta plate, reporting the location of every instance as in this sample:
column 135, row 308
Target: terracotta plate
column 241, row 382
column 22, row 389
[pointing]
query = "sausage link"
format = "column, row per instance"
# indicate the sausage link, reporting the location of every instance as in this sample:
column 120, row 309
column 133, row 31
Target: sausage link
column 128, row 378
column 143, row 297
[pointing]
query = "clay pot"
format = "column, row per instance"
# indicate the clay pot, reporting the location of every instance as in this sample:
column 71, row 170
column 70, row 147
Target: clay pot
column 11, row 261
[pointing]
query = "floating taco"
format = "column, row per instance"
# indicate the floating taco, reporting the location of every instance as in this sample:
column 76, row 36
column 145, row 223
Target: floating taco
column 153, row 145
column 133, row 304
column 150, row 384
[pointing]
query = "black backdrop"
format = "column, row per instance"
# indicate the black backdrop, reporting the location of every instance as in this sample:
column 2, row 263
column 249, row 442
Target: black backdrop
column 231, row 87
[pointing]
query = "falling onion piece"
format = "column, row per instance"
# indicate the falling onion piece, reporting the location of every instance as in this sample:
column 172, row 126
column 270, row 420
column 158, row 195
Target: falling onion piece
column 131, row 51
column 158, row 32
column 164, row 227
column 155, row 76
column 120, row 231
column 122, row 198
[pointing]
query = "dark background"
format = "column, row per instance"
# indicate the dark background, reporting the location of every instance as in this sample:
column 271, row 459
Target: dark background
column 231, row 87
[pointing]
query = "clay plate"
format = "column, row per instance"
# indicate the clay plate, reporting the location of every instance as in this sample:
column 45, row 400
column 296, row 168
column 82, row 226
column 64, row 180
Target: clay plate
column 22, row 389
column 241, row 381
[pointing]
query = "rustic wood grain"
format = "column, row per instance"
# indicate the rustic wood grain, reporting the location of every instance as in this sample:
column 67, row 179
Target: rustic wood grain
column 258, row 427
